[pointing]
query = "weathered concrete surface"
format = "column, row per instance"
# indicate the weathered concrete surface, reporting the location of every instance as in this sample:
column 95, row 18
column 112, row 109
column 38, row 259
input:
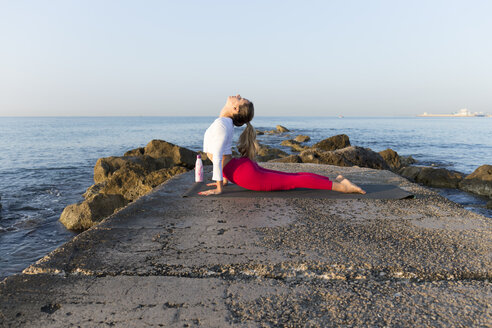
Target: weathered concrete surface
column 171, row 261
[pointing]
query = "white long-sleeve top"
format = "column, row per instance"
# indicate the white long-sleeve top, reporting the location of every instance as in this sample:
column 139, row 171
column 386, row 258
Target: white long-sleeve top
column 218, row 142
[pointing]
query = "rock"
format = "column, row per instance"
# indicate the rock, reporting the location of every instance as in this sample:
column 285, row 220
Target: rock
column 135, row 152
column 479, row 182
column 266, row 153
column 84, row 215
column 281, row 129
column 133, row 182
column 407, row 160
column 348, row 156
column 119, row 180
column 489, row 205
column 178, row 155
column 106, row 166
column 439, row 178
column 392, row 159
column 288, row 159
column 158, row 154
column 432, row 177
column 94, row 189
column 302, row 138
column 294, row 145
column 259, row 133
column 410, row 172
column 128, row 183
column 333, row 143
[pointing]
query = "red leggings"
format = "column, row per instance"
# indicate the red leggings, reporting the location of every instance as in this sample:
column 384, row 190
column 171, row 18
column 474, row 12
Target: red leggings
column 248, row 174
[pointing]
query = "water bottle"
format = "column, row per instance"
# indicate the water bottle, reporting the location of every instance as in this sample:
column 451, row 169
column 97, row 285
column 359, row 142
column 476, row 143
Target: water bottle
column 198, row 169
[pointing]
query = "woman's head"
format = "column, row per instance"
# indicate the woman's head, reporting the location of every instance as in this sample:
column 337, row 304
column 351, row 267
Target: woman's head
column 243, row 112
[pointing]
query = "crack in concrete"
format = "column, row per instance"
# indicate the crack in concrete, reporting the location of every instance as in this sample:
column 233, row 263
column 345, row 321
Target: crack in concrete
column 290, row 272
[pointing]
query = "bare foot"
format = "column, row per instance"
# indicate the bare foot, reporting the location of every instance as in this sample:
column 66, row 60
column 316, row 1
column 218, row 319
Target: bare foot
column 349, row 187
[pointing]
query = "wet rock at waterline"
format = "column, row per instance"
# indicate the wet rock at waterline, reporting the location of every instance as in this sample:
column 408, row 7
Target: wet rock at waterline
column 84, row 215
column 479, row 182
column 132, row 181
column 432, row 177
column 282, row 129
column 302, row 138
column 120, row 180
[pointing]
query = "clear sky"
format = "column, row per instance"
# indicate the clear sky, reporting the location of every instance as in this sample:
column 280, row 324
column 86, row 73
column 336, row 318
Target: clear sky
column 298, row 58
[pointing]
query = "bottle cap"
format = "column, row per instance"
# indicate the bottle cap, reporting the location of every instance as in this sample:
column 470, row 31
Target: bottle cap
column 198, row 156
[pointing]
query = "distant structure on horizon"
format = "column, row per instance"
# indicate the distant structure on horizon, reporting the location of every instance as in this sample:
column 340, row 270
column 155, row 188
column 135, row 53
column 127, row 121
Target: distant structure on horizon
column 461, row 113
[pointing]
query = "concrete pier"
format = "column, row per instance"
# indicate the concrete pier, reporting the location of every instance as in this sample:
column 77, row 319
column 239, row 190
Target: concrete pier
column 167, row 261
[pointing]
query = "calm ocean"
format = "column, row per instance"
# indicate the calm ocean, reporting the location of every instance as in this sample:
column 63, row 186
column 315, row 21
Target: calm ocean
column 46, row 163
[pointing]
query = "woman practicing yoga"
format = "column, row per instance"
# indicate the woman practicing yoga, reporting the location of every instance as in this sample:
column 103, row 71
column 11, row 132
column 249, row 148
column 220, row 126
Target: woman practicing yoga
column 244, row 171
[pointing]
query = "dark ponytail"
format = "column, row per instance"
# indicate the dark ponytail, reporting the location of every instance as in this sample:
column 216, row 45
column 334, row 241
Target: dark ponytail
column 247, row 145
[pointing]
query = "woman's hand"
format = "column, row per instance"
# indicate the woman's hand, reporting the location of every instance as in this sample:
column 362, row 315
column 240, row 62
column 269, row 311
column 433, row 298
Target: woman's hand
column 210, row 192
column 214, row 184
column 217, row 191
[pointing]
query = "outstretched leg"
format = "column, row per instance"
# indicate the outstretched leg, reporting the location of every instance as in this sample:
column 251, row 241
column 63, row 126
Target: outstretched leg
column 264, row 170
column 250, row 175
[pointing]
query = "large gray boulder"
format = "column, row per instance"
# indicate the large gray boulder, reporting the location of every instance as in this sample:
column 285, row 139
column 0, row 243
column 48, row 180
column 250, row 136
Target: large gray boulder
column 392, row 159
column 84, row 215
column 348, row 156
column 333, row 143
column 410, row 172
column 439, row 177
column 479, row 182
column 432, row 177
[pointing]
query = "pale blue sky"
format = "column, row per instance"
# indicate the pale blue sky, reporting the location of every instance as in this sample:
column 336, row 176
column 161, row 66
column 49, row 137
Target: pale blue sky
column 289, row 57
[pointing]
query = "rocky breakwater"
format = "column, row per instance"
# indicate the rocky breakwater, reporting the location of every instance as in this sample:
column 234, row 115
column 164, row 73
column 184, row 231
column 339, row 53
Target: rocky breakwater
column 119, row 180
column 479, row 182
column 337, row 150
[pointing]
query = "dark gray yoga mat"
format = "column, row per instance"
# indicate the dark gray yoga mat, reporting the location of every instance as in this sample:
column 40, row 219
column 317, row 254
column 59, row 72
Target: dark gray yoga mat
column 373, row 191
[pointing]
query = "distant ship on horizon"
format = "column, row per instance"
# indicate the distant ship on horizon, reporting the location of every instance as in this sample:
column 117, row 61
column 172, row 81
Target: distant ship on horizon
column 461, row 113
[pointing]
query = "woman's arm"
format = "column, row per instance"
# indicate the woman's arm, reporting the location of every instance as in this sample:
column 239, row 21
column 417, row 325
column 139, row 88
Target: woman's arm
column 216, row 147
column 218, row 184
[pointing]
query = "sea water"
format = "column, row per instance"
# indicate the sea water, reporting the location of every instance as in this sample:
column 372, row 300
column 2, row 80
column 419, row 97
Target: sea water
column 46, row 163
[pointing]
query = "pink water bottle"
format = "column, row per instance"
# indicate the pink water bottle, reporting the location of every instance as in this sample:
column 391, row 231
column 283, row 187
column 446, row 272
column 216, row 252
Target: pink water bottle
column 198, row 169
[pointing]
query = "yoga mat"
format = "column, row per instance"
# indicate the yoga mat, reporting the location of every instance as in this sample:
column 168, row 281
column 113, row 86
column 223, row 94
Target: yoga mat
column 373, row 191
